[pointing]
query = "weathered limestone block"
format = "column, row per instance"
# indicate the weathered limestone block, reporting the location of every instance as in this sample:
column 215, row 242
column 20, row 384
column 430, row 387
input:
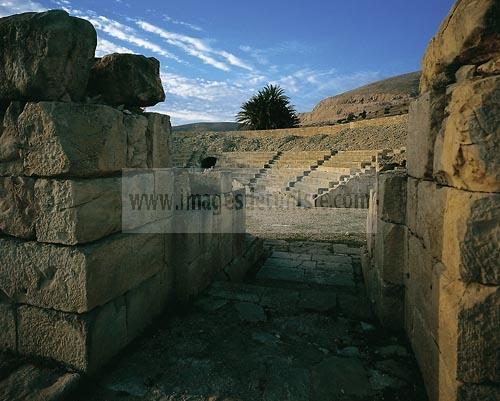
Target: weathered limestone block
column 478, row 356
column 467, row 149
column 158, row 137
column 371, row 223
column 389, row 305
column 81, row 140
column 85, row 342
column 11, row 140
column 73, row 212
column 390, row 251
column 424, row 122
column 431, row 204
column 137, row 144
column 8, row 337
column 470, row 239
column 392, row 196
column 411, row 203
column 17, row 207
column 129, row 79
column 53, row 60
column 470, row 34
column 147, row 301
column 77, row 279
column 440, row 383
column 422, row 283
column 474, row 392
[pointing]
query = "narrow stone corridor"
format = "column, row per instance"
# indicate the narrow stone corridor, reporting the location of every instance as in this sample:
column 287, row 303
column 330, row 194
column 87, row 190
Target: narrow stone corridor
column 300, row 330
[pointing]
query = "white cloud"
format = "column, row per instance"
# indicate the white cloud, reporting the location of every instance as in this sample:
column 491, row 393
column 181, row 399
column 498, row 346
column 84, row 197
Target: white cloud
column 196, row 47
column 106, row 47
column 182, row 23
column 19, row 6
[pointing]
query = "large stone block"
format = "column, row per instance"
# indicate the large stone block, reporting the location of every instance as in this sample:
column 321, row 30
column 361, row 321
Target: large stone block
column 440, row 382
column 422, row 284
column 8, row 332
column 424, row 122
column 430, row 208
column 45, row 56
column 467, row 149
column 17, row 207
column 389, row 305
column 478, row 343
column 72, row 212
column 129, row 79
column 80, row 140
column 11, row 140
column 147, row 301
column 77, row 279
column 84, row 342
column 392, row 196
column 390, row 251
column 470, row 34
column 137, row 143
column 411, row 203
column 470, row 239
column 371, row 223
column 158, row 135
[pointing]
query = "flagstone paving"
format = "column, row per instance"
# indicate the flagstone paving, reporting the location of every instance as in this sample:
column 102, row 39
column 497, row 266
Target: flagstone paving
column 300, row 330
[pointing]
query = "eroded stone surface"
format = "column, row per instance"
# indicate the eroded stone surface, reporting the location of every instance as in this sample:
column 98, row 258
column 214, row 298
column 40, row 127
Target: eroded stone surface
column 54, row 60
column 77, row 279
column 81, row 140
column 128, row 79
column 77, row 211
column 466, row 152
column 17, row 207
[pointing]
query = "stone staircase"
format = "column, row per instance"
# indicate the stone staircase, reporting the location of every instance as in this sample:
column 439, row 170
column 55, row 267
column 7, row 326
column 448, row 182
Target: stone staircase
column 337, row 171
column 288, row 168
column 246, row 167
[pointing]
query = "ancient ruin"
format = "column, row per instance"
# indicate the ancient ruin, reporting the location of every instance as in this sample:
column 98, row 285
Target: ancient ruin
column 387, row 290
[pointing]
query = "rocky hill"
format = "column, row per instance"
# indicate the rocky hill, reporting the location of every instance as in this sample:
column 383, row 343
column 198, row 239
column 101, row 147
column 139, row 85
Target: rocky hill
column 388, row 97
column 206, row 127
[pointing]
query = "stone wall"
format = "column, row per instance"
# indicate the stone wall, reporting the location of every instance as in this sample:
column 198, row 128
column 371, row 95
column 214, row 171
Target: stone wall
column 444, row 255
column 312, row 131
column 75, row 286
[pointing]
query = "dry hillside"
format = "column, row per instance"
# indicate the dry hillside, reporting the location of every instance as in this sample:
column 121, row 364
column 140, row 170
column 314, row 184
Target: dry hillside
column 388, row 97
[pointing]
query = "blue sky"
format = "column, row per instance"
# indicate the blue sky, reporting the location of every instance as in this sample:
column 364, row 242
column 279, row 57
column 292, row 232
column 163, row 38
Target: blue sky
column 216, row 53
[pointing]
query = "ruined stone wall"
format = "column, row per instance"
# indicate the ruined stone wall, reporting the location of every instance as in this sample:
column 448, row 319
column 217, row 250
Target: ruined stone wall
column 74, row 287
column 311, row 131
column 445, row 256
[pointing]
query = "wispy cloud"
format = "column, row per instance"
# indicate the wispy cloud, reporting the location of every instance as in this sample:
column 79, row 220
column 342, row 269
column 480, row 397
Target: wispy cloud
column 196, row 47
column 19, row 6
column 124, row 33
column 171, row 20
column 107, row 47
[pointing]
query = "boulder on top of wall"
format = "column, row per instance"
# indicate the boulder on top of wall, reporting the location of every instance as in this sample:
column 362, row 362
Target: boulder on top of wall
column 45, row 56
column 470, row 34
column 467, row 148
column 128, row 79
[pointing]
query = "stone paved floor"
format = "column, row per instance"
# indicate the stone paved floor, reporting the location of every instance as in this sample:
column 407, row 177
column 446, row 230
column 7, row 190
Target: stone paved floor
column 301, row 330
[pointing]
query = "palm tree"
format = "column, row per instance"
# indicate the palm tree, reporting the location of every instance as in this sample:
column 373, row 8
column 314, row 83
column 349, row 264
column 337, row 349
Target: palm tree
column 270, row 108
